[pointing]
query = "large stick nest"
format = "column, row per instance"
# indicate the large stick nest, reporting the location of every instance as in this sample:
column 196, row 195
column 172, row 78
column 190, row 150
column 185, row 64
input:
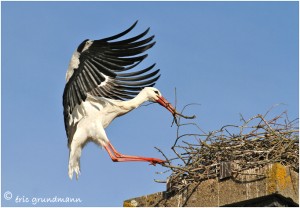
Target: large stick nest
column 256, row 142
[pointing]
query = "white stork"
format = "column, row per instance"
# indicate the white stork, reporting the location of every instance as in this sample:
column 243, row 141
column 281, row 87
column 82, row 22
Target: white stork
column 97, row 91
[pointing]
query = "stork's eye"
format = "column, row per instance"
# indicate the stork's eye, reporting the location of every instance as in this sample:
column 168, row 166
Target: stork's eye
column 156, row 92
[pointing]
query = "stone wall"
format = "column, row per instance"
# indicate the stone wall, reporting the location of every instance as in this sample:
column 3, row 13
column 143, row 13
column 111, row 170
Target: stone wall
column 271, row 180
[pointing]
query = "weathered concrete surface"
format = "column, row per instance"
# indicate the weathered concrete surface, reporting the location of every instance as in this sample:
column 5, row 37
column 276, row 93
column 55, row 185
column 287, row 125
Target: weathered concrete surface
column 277, row 180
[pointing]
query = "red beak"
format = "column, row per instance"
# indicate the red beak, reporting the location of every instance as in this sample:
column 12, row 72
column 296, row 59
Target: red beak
column 162, row 101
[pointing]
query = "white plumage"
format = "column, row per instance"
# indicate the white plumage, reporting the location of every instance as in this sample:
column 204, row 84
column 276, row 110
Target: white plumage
column 97, row 91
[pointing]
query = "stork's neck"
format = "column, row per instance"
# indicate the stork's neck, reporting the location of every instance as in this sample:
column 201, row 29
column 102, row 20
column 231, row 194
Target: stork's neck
column 136, row 102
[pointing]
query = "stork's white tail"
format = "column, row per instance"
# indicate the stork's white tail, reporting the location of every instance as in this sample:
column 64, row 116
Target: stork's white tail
column 74, row 163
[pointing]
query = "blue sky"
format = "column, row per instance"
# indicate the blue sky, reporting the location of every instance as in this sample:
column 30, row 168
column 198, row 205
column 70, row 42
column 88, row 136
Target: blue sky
column 238, row 57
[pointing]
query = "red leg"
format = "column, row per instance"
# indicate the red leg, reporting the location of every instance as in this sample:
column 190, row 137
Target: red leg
column 118, row 157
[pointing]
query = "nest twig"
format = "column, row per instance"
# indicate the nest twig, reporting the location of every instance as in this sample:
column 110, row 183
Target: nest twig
column 256, row 142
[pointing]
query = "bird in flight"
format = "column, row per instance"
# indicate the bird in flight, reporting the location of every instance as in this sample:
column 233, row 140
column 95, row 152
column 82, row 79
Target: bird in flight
column 102, row 83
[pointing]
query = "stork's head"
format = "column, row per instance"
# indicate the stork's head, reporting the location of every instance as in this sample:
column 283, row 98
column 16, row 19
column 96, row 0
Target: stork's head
column 154, row 95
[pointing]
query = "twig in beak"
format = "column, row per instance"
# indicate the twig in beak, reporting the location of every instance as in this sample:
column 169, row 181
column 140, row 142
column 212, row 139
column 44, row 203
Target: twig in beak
column 162, row 101
column 183, row 116
column 179, row 114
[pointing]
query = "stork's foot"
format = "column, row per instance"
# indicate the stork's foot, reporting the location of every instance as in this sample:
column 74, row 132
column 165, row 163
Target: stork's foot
column 155, row 161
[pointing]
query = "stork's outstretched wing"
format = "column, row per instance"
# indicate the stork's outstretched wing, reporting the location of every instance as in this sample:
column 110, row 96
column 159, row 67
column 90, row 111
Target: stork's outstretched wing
column 101, row 66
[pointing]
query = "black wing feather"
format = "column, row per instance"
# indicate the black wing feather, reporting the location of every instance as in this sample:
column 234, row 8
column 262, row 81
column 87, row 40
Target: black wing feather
column 142, row 83
column 136, row 73
column 139, row 78
column 129, row 51
column 120, row 34
column 121, row 45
